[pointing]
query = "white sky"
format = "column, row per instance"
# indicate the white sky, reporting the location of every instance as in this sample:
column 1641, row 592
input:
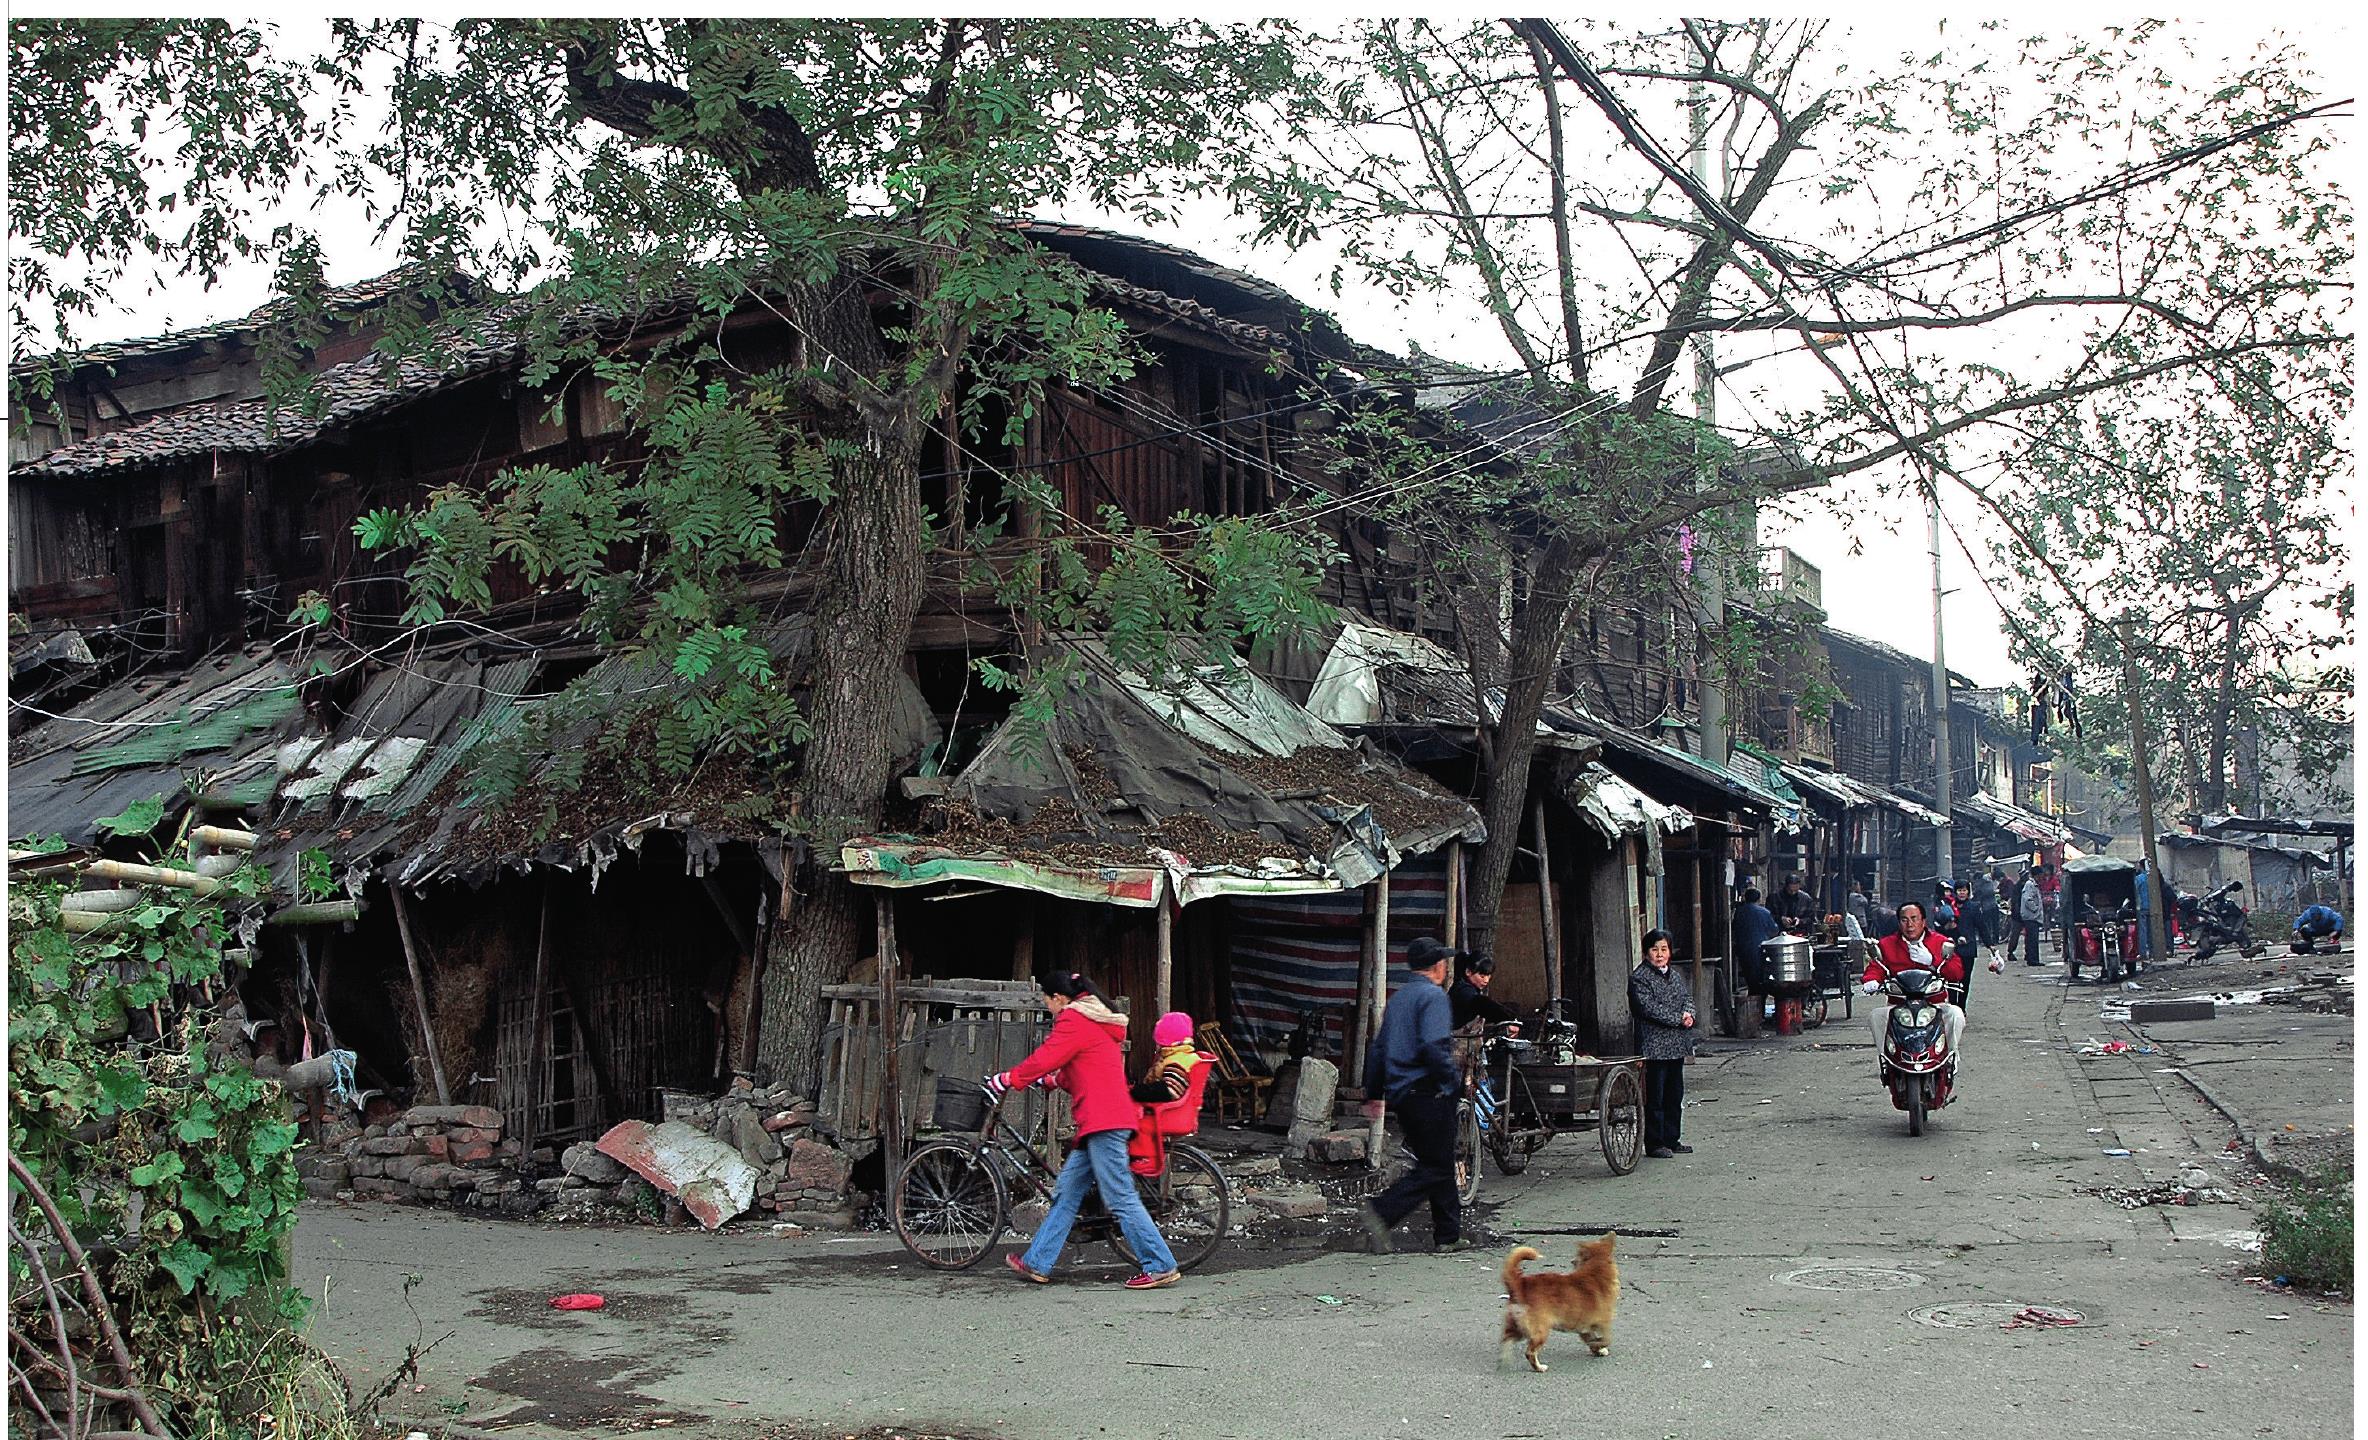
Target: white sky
column 1882, row 591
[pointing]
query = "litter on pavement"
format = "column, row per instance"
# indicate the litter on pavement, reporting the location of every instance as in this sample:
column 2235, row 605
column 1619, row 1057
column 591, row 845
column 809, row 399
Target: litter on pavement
column 577, row 1302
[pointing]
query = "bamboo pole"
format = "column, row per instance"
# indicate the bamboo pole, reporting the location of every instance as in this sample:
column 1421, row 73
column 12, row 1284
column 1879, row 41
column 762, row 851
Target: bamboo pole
column 419, row 994
column 222, row 838
column 1453, row 930
column 891, row 1096
column 316, row 912
column 100, row 902
column 538, row 1092
column 1167, row 950
column 1552, row 938
column 124, row 872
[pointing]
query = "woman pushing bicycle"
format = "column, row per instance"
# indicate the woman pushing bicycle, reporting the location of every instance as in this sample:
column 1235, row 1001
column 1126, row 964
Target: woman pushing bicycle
column 1082, row 1056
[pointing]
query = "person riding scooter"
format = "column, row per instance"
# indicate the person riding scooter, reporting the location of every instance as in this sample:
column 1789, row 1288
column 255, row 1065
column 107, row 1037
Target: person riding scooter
column 1915, row 947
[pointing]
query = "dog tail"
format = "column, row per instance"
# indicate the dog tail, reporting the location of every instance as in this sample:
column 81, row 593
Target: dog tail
column 1513, row 1263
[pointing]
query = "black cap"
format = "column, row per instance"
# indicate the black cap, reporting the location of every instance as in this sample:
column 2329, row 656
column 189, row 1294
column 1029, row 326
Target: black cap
column 1426, row 952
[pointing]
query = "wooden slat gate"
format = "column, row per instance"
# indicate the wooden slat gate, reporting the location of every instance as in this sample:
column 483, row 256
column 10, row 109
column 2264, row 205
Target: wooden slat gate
column 966, row 1030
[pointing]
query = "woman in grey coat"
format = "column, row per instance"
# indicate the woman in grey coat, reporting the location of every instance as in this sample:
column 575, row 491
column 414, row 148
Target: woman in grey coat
column 1665, row 1036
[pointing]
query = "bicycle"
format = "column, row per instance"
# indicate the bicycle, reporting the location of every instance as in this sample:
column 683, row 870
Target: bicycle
column 953, row 1197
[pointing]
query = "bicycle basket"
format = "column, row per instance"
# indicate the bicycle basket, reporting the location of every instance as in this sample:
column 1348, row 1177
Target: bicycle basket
column 961, row 1105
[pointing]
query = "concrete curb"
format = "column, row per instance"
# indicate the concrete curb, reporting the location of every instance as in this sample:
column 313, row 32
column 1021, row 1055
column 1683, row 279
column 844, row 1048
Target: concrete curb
column 2244, row 1127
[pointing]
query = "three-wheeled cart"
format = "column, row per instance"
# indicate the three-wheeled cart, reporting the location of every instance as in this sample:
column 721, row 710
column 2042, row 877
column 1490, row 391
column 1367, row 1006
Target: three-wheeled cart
column 2100, row 893
column 1521, row 1099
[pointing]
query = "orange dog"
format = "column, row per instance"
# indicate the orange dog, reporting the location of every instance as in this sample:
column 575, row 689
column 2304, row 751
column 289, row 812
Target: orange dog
column 1581, row 1301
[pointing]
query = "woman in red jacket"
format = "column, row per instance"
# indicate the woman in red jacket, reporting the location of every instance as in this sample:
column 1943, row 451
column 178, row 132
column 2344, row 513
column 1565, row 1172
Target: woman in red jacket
column 1082, row 1056
column 1915, row 947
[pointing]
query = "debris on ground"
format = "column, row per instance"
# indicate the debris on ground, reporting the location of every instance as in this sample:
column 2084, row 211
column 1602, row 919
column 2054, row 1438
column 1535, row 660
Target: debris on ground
column 2044, row 1317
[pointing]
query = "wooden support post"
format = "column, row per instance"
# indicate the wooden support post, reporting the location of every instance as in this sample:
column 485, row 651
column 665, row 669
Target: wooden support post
column 891, row 1121
column 1167, row 948
column 419, row 994
column 1023, row 943
column 1367, row 983
column 1546, row 930
column 1381, row 1000
column 1453, row 929
column 538, row 1069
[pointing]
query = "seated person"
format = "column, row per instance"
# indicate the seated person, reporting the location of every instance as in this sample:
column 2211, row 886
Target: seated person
column 1468, row 998
column 2319, row 922
column 1171, row 1068
column 1915, row 947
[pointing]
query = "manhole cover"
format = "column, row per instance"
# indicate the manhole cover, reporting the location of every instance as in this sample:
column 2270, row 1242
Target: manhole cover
column 1990, row 1315
column 1849, row 1277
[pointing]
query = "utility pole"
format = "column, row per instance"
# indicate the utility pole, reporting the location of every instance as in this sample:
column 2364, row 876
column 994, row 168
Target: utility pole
column 2156, row 930
column 1943, row 756
column 1712, row 581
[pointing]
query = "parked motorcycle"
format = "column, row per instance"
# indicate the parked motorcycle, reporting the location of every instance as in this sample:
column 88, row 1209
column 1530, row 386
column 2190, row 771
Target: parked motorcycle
column 1916, row 1064
column 2217, row 919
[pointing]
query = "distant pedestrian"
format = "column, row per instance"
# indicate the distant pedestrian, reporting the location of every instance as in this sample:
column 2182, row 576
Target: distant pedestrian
column 1985, row 904
column 1412, row 1065
column 1752, row 928
column 1665, row 1036
column 2030, row 910
column 1856, row 908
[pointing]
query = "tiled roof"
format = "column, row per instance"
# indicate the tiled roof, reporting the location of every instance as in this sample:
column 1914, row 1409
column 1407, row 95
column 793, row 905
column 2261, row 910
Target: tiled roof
column 490, row 340
column 341, row 299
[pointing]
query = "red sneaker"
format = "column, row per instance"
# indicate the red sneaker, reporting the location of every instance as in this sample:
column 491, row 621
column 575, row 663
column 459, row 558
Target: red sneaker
column 1153, row 1282
column 1020, row 1268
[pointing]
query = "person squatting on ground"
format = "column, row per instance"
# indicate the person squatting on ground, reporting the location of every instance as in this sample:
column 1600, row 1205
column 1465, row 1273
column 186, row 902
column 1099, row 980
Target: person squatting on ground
column 1082, row 1056
column 1665, row 1036
column 2317, row 923
column 1412, row 1065
column 1915, row 947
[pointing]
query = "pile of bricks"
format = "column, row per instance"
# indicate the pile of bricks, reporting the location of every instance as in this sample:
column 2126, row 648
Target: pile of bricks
column 772, row 1128
column 431, row 1154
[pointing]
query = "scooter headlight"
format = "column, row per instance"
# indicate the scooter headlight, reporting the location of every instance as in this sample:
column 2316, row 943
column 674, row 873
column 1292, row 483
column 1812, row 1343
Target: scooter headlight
column 1920, row 1016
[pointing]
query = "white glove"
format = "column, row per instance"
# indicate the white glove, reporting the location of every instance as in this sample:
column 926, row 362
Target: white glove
column 1870, row 986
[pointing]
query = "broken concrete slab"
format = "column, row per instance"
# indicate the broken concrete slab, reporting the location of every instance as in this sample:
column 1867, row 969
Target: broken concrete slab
column 1311, row 1113
column 713, row 1180
column 1296, row 1202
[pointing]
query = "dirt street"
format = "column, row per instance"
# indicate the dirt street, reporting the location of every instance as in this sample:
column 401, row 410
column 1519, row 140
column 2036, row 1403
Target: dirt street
column 1808, row 1260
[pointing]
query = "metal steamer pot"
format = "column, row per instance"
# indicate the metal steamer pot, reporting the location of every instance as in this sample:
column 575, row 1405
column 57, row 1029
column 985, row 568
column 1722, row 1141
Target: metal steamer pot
column 1789, row 963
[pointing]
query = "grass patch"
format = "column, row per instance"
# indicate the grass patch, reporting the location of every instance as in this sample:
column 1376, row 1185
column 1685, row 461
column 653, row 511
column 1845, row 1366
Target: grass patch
column 2306, row 1232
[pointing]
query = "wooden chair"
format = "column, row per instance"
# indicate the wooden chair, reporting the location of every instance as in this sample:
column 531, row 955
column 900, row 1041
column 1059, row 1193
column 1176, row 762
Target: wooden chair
column 1239, row 1091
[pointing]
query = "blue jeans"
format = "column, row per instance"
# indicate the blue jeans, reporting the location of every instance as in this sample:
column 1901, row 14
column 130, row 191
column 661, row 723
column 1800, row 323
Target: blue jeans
column 1099, row 1161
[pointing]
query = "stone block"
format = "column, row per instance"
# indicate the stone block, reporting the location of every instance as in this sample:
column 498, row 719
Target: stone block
column 581, row 1159
column 469, row 1135
column 552, row 1185
column 1256, row 1165
column 816, row 1166
column 367, row 1186
column 746, row 1133
column 476, row 1154
column 1297, row 1202
column 482, row 1117
column 436, row 1146
column 1311, row 1114
column 403, row 1167
column 388, row 1145
column 781, row 1120
column 435, row 1115
column 1339, row 1147
column 374, row 1132
column 369, row 1167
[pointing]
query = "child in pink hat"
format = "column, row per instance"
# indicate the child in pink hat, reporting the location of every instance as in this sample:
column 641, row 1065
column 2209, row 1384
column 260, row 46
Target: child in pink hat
column 1171, row 1067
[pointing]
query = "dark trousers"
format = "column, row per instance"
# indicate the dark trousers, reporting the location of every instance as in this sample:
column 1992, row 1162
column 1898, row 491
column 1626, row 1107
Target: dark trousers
column 1430, row 1134
column 2030, row 944
column 1664, row 1099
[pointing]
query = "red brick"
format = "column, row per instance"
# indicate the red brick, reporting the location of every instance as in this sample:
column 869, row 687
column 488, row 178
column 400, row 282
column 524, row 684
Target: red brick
column 438, row 1146
column 471, row 1154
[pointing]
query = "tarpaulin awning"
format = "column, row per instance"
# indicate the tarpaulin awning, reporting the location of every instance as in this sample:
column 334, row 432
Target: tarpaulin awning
column 1374, row 677
column 1212, row 778
column 1786, row 812
column 1615, row 809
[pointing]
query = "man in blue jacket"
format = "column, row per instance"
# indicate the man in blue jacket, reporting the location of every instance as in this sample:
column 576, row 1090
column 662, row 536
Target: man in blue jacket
column 2315, row 924
column 1412, row 1064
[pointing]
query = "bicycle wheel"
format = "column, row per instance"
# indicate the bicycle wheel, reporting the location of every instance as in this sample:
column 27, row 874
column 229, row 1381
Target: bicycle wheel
column 1467, row 1152
column 1619, row 1119
column 950, row 1204
column 1510, row 1155
column 1190, row 1205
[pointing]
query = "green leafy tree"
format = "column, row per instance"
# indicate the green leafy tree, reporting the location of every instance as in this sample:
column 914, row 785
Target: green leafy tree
column 855, row 180
column 1906, row 260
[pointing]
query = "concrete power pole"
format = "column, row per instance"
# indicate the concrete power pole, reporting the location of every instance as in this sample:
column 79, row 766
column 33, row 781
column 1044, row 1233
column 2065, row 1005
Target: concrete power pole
column 1712, row 580
column 2157, row 931
column 1944, row 756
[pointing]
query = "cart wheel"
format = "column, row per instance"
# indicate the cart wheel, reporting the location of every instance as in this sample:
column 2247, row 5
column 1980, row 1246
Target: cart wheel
column 1510, row 1155
column 1467, row 1152
column 1190, row 1204
column 1813, row 1012
column 950, row 1204
column 1619, row 1119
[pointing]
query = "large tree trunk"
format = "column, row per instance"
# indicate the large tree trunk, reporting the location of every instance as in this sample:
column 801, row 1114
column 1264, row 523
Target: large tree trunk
column 2212, row 799
column 862, row 618
column 1536, row 644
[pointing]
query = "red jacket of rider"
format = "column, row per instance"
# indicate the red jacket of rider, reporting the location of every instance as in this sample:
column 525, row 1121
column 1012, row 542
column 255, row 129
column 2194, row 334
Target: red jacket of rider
column 1893, row 954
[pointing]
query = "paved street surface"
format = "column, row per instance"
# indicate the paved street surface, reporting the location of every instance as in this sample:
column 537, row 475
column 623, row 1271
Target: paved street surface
column 1810, row 1271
